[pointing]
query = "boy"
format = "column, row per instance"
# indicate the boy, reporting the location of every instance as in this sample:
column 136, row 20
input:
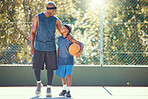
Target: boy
column 65, row 60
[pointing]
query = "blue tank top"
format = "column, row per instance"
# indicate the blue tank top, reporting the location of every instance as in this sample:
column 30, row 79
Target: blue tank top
column 45, row 36
column 65, row 58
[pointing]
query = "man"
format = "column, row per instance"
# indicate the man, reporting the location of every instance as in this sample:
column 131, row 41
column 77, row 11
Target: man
column 43, row 34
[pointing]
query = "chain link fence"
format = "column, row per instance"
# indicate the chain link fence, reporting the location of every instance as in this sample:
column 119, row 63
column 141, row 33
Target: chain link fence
column 125, row 29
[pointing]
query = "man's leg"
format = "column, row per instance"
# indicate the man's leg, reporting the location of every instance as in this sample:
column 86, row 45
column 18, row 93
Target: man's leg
column 37, row 74
column 49, row 76
column 49, row 82
column 38, row 64
column 51, row 64
column 39, row 84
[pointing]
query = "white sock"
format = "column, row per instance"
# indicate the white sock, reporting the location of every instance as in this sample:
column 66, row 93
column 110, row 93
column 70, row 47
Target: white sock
column 64, row 87
column 68, row 89
column 49, row 86
column 38, row 81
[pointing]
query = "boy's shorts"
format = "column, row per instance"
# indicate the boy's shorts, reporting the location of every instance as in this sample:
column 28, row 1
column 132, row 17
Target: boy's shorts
column 64, row 70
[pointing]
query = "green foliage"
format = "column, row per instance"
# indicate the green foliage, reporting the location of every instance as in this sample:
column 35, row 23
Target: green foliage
column 127, row 26
column 125, row 29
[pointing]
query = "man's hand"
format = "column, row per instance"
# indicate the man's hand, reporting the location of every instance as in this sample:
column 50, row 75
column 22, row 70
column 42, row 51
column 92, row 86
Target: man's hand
column 32, row 50
column 33, row 33
column 69, row 37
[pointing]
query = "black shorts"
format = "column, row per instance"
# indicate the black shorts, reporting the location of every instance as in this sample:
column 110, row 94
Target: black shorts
column 47, row 57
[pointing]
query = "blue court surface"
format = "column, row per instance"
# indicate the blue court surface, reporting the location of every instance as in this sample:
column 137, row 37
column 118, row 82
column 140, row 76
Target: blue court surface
column 77, row 92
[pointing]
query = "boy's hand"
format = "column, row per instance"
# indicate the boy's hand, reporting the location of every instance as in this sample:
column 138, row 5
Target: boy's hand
column 69, row 37
column 78, row 54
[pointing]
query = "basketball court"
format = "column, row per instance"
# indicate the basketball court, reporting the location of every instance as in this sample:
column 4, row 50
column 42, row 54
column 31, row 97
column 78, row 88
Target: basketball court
column 78, row 92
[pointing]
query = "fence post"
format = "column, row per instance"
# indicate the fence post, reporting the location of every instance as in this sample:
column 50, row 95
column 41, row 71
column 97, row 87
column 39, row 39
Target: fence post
column 101, row 33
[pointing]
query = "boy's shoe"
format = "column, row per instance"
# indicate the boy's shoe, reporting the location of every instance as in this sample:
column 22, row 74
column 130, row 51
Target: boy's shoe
column 68, row 94
column 62, row 93
column 48, row 92
column 38, row 90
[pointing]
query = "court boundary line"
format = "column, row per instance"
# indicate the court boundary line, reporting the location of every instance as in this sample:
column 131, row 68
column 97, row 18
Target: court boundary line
column 107, row 91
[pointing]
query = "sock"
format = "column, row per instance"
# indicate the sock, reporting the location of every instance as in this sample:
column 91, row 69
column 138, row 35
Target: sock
column 49, row 86
column 68, row 89
column 64, row 87
column 38, row 81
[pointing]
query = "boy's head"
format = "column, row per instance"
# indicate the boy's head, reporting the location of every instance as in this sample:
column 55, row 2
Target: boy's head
column 66, row 30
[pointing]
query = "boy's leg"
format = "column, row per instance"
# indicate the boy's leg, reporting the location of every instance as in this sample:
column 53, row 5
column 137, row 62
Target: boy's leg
column 69, row 69
column 68, row 86
column 61, row 72
column 68, row 80
column 63, row 81
column 64, row 87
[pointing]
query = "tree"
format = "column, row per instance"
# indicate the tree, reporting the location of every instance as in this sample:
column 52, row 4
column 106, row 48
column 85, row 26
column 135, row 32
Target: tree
column 126, row 23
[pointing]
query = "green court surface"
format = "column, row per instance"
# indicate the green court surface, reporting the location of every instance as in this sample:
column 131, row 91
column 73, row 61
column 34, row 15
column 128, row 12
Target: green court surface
column 77, row 92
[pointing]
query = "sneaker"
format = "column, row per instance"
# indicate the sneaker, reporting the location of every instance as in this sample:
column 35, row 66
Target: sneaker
column 38, row 90
column 68, row 94
column 48, row 92
column 62, row 93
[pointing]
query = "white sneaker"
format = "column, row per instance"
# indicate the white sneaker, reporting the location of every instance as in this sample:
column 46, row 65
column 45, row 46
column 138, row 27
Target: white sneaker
column 48, row 92
column 38, row 90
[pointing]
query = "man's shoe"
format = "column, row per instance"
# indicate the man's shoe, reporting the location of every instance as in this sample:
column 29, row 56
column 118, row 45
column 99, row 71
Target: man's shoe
column 38, row 90
column 48, row 92
column 68, row 94
column 62, row 93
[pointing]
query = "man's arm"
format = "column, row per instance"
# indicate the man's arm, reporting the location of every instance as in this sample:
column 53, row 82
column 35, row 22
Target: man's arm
column 81, row 47
column 33, row 33
column 59, row 25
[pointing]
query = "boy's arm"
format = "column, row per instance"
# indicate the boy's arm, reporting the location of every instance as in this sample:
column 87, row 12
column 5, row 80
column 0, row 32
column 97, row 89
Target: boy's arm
column 33, row 33
column 81, row 47
column 58, row 56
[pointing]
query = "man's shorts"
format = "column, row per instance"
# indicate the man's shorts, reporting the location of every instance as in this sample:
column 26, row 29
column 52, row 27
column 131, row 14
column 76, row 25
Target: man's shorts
column 47, row 57
column 64, row 70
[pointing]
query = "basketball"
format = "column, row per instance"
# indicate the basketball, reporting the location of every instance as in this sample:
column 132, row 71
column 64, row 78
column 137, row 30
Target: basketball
column 74, row 49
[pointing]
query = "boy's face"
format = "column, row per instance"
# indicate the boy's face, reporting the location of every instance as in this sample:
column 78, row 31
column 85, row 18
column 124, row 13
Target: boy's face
column 65, row 31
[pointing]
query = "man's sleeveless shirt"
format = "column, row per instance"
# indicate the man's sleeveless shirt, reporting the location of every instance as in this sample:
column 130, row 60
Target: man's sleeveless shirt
column 45, row 36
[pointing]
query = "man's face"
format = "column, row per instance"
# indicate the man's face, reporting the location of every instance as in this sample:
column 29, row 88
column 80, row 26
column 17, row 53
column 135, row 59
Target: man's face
column 51, row 12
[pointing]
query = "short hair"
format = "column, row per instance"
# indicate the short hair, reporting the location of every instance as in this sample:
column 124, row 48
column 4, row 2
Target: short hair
column 68, row 27
column 51, row 3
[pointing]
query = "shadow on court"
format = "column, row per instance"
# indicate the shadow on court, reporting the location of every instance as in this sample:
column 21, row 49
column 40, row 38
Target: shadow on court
column 38, row 97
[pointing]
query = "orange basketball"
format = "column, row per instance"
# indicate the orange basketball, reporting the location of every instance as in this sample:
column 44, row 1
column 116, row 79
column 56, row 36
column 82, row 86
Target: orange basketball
column 74, row 49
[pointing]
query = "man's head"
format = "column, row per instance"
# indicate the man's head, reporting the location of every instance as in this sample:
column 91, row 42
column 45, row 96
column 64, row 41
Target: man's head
column 51, row 8
column 66, row 30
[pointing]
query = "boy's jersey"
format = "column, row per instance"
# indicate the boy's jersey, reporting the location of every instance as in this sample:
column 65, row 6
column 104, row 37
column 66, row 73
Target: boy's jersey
column 65, row 58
